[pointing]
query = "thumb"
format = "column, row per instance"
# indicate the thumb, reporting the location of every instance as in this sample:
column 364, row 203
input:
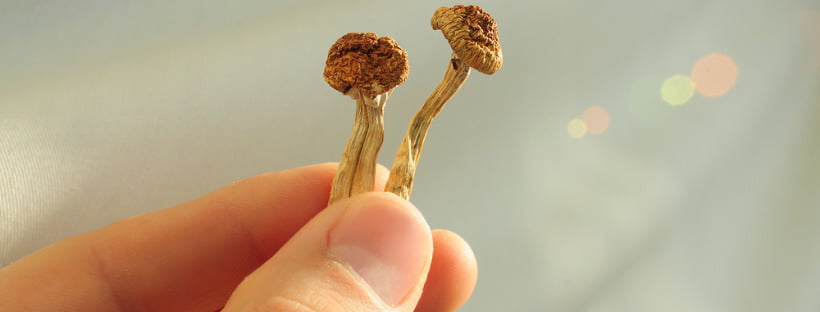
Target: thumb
column 371, row 252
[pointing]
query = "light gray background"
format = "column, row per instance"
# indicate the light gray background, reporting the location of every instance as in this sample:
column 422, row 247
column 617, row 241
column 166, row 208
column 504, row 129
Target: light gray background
column 114, row 108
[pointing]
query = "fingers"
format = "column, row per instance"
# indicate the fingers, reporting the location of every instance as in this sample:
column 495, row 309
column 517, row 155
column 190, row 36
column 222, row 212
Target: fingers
column 452, row 276
column 368, row 253
column 192, row 256
column 185, row 258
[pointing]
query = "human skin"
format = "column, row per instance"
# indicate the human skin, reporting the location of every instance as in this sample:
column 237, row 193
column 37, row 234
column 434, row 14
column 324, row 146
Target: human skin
column 193, row 256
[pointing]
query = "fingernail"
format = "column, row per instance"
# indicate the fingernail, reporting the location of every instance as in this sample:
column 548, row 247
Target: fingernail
column 385, row 243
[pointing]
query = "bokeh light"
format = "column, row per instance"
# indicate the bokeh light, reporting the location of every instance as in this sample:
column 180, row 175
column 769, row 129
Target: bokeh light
column 715, row 74
column 577, row 128
column 596, row 119
column 677, row 90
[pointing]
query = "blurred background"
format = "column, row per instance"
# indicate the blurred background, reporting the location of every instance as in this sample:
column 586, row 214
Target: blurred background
column 632, row 155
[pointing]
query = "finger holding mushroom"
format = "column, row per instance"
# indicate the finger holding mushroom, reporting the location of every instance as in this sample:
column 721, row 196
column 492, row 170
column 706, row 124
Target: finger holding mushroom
column 473, row 36
column 365, row 67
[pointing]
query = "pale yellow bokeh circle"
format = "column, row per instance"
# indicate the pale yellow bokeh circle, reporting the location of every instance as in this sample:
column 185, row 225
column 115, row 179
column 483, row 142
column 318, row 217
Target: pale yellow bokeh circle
column 677, row 90
column 577, row 128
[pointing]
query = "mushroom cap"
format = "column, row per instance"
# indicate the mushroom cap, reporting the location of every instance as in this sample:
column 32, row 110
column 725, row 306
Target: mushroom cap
column 473, row 35
column 366, row 62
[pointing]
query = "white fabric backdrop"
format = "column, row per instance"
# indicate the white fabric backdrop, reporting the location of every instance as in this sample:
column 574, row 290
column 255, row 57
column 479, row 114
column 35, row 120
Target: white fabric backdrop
column 112, row 108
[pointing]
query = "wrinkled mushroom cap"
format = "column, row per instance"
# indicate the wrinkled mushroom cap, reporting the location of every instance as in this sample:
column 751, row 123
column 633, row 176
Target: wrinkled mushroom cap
column 366, row 62
column 473, row 36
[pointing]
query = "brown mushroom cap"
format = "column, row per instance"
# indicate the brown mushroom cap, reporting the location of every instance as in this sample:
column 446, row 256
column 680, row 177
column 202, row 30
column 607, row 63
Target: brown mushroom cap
column 473, row 36
column 366, row 62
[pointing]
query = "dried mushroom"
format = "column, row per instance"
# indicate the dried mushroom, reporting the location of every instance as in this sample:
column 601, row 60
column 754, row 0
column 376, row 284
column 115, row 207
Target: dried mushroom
column 473, row 37
column 366, row 68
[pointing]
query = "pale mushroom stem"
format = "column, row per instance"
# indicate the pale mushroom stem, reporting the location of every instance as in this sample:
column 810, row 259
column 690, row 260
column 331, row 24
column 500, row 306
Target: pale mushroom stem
column 357, row 168
column 404, row 167
column 365, row 175
column 345, row 172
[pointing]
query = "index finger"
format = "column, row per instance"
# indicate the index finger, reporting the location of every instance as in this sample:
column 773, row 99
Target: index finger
column 185, row 258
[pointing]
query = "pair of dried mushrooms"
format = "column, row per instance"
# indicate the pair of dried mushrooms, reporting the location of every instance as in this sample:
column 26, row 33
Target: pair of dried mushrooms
column 367, row 67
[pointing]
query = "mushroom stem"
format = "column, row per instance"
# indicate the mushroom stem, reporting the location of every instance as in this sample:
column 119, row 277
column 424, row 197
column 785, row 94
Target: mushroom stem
column 346, row 171
column 404, row 167
column 357, row 168
column 365, row 175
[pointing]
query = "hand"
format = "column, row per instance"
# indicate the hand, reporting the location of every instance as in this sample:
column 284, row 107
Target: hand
column 263, row 244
